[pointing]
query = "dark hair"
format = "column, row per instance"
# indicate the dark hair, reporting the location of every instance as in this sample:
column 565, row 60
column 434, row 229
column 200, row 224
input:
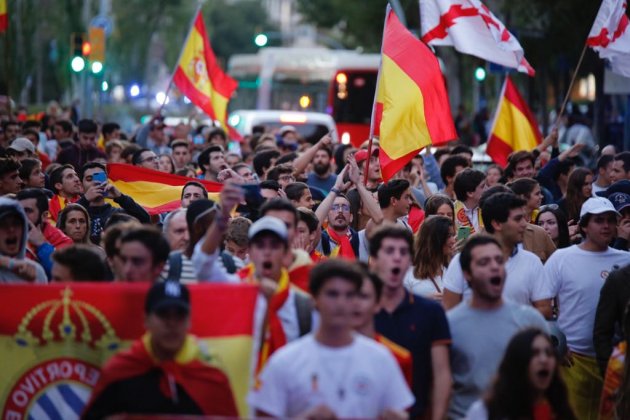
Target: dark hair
column 196, row 184
column 574, row 197
column 129, row 150
column 112, row 233
column 65, row 126
column 465, row 258
column 82, row 261
column 495, row 189
column 394, row 188
column 91, row 165
column 170, row 158
column 517, row 157
column 429, row 259
column 152, row 239
column 603, row 161
column 561, row 220
column 87, row 126
column 436, row 201
column 278, row 170
column 270, row 184
column 57, row 175
column 441, row 152
column 462, row 149
column 279, row 204
column 447, row 170
column 204, row 156
column 333, row 268
column 27, row 166
column 466, row 182
column 38, row 194
column 7, row 123
column 63, row 217
column 497, row 208
column 262, row 160
column 109, row 128
column 288, row 158
column 391, row 231
column 512, row 395
column 217, row 131
column 309, row 217
column 198, row 224
column 136, row 159
column 625, row 157
column 523, row 186
column 339, row 152
column 30, row 131
column 8, row 165
column 563, row 168
column 180, row 143
column 295, row 190
column 370, row 276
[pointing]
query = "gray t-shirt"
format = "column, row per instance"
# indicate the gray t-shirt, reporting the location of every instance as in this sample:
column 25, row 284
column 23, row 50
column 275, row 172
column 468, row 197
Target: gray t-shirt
column 479, row 339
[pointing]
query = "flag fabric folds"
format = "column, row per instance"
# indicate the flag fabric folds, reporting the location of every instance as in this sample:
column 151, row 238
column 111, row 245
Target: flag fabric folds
column 156, row 191
column 411, row 105
column 610, row 35
column 4, row 17
column 199, row 76
column 514, row 126
column 470, row 27
column 54, row 339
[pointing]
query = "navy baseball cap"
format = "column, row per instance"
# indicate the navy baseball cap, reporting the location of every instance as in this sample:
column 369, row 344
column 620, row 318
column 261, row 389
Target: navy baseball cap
column 622, row 186
column 620, row 200
column 168, row 294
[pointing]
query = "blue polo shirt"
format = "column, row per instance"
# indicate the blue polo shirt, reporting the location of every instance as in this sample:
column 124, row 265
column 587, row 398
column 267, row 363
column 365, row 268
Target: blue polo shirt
column 417, row 324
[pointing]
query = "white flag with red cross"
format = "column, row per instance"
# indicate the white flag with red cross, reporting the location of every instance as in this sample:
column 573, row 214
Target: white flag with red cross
column 610, row 35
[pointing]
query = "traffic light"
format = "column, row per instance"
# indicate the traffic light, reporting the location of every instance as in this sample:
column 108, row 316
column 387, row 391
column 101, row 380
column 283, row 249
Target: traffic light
column 77, row 62
column 480, row 73
column 97, row 56
column 261, row 40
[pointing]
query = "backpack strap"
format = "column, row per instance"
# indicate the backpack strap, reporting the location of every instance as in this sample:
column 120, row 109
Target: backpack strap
column 325, row 240
column 174, row 266
column 354, row 241
column 304, row 308
column 228, row 262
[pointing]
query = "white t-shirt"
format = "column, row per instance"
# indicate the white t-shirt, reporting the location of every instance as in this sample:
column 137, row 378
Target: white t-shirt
column 477, row 411
column 422, row 287
column 576, row 278
column 360, row 380
column 524, row 282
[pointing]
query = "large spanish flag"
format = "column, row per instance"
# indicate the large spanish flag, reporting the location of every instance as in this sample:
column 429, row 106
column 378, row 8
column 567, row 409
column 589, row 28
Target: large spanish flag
column 514, row 126
column 411, row 107
column 199, row 76
column 4, row 17
column 156, row 191
column 55, row 338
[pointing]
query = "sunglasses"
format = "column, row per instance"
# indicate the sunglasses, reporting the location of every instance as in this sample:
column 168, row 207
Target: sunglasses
column 549, row 207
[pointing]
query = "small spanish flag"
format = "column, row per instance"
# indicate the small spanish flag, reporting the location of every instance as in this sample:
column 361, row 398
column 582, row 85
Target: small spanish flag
column 514, row 126
column 411, row 108
column 199, row 77
column 156, row 191
column 4, row 17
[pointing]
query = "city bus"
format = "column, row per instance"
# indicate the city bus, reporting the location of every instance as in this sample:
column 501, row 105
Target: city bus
column 340, row 83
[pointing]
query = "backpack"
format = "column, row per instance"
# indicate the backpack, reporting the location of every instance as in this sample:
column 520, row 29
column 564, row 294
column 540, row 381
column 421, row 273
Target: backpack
column 354, row 241
column 304, row 309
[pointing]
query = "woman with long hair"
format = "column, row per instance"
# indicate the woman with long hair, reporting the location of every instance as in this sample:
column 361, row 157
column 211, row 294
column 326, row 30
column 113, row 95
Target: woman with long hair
column 31, row 173
column 441, row 205
column 553, row 220
column 529, row 190
column 74, row 221
column 166, row 164
column 433, row 250
column 528, row 384
column 579, row 189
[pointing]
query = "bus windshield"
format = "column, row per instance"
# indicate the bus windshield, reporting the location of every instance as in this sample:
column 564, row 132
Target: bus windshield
column 354, row 96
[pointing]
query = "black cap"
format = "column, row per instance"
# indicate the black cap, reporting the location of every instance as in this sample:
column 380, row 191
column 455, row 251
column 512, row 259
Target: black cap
column 622, row 186
column 168, row 294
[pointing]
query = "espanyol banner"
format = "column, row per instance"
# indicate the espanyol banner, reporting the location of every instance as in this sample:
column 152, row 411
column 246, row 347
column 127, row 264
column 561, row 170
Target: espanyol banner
column 54, row 339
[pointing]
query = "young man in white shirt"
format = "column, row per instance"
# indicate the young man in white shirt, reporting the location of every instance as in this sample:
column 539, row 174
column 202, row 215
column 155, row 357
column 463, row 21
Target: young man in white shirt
column 576, row 276
column 333, row 373
column 504, row 218
column 482, row 327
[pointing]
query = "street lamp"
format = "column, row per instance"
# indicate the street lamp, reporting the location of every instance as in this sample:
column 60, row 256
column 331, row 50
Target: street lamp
column 261, row 40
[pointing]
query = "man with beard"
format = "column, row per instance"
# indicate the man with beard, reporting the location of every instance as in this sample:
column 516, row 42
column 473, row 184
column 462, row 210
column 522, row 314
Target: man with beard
column 85, row 150
column 415, row 323
column 322, row 176
column 212, row 161
column 483, row 326
column 67, row 188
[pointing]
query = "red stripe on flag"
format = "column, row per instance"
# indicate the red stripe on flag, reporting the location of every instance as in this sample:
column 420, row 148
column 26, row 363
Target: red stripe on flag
column 4, row 22
column 190, row 91
column 390, row 166
column 129, row 173
column 514, row 97
column 498, row 150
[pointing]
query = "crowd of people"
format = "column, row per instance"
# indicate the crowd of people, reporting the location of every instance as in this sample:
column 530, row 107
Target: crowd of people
column 449, row 291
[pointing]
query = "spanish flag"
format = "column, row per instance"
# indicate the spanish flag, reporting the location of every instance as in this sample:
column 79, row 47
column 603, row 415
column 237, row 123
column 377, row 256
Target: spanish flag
column 514, row 126
column 156, row 191
column 199, row 77
column 4, row 17
column 411, row 107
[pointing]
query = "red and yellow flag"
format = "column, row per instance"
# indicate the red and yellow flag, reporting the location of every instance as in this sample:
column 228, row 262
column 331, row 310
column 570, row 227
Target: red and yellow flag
column 514, row 127
column 412, row 109
column 156, row 191
column 4, row 17
column 55, row 338
column 199, row 77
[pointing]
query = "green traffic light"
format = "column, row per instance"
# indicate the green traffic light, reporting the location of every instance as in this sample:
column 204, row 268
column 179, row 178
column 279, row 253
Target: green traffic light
column 97, row 67
column 261, row 40
column 480, row 74
column 77, row 64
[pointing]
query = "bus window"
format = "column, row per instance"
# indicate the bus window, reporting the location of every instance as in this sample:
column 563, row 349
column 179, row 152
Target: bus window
column 353, row 100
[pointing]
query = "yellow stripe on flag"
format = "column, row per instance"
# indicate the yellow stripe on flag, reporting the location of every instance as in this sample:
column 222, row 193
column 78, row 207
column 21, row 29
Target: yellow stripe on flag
column 513, row 128
column 403, row 126
column 152, row 194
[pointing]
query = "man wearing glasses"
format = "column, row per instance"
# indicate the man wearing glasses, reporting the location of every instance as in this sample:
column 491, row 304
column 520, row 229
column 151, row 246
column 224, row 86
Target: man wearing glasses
column 146, row 159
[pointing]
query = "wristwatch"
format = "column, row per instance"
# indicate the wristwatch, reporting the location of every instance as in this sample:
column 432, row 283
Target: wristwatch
column 335, row 190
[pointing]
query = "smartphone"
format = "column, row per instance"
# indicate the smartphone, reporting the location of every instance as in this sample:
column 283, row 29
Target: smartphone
column 100, row 177
column 463, row 232
column 252, row 193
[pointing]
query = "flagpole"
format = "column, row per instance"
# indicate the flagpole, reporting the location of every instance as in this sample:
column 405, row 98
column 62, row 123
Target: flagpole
column 568, row 94
column 170, row 83
column 388, row 10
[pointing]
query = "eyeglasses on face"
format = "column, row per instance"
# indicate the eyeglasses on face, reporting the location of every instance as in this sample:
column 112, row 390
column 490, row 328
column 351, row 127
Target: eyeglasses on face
column 340, row 207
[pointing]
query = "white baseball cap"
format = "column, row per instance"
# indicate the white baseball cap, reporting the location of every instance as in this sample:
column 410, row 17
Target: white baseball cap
column 22, row 144
column 597, row 205
column 269, row 224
